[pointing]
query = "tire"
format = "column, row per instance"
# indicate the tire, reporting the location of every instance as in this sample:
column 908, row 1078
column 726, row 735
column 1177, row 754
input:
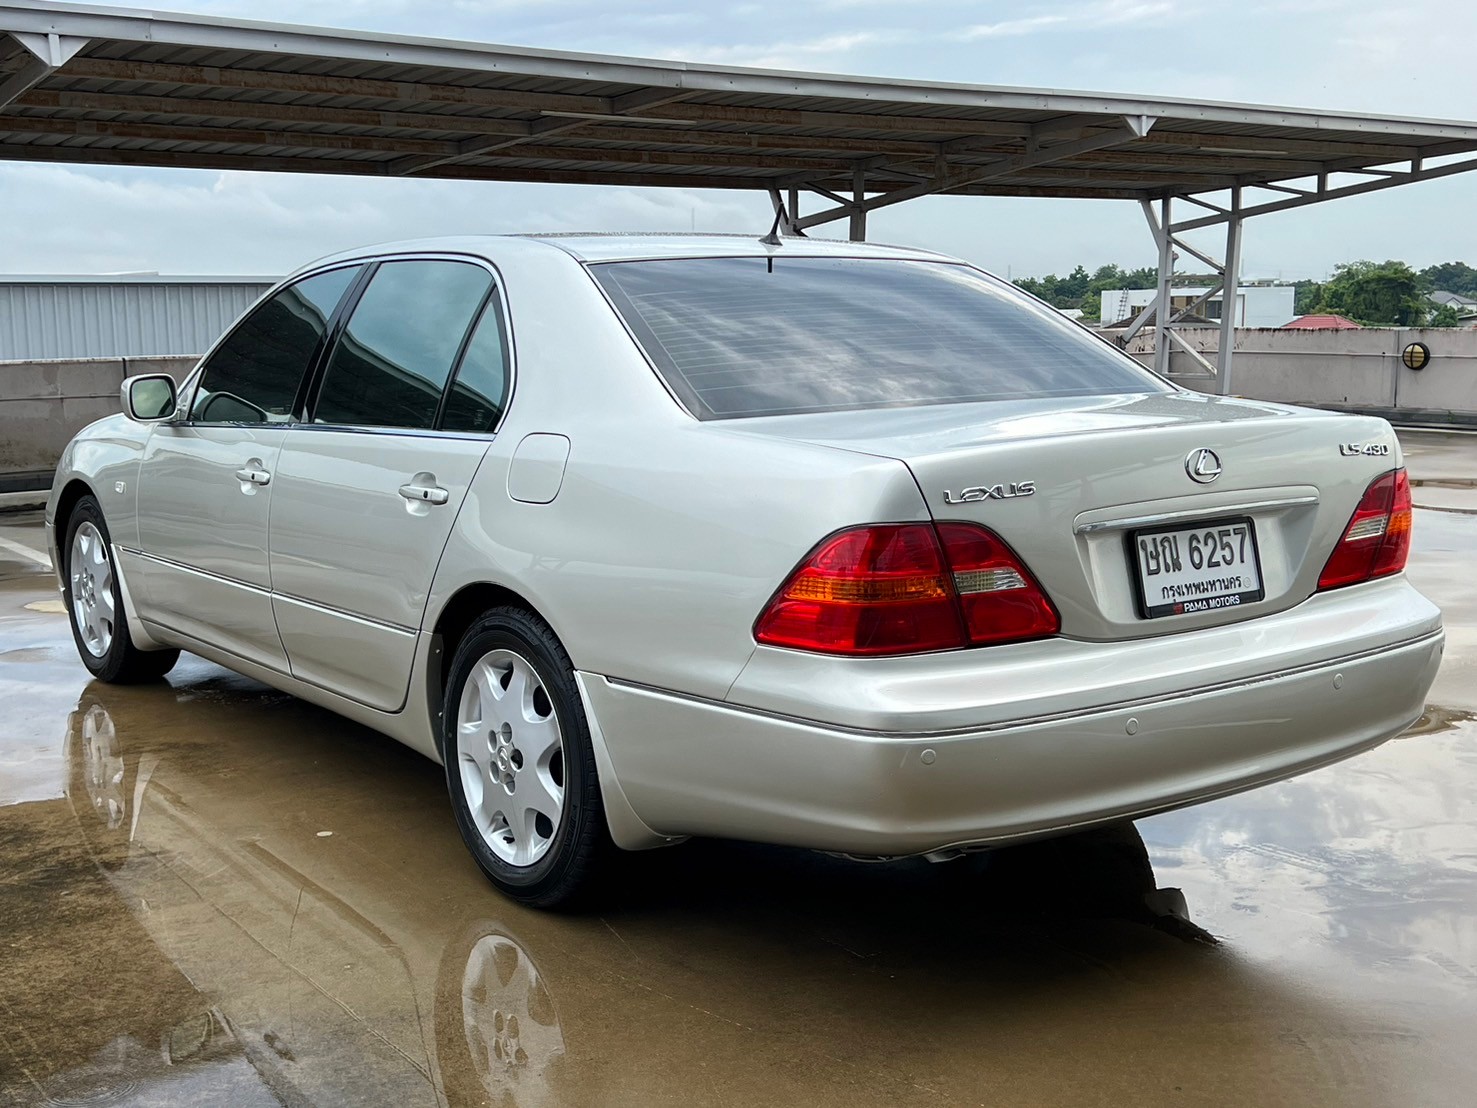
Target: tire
column 521, row 773
column 94, row 602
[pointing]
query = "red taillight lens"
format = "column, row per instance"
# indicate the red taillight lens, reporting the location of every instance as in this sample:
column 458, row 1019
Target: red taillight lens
column 1377, row 540
column 873, row 590
column 1000, row 599
column 893, row 589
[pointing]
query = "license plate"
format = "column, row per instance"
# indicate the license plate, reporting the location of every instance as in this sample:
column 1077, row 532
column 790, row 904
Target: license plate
column 1203, row 567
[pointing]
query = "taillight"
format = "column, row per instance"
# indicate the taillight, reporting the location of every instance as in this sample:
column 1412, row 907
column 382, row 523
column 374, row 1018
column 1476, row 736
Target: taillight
column 1000, row 599
column 904, row 588
column 1377, row 540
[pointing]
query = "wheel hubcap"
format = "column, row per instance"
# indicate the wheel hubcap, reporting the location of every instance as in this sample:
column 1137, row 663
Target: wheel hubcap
column 91, row 574
column 510, row 752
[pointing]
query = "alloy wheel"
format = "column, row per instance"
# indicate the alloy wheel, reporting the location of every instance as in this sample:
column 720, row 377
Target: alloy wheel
column 510, row 753
column 93, row 609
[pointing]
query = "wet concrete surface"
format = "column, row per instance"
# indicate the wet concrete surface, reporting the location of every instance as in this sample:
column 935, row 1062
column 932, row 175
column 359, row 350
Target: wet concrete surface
column 213, row 893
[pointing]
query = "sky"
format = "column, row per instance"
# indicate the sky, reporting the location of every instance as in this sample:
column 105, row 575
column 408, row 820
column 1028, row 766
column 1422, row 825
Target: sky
column 1357, row 55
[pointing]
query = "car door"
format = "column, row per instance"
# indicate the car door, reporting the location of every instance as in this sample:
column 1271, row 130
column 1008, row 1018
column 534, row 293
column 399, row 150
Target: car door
column 366, row 491
column 205, row 481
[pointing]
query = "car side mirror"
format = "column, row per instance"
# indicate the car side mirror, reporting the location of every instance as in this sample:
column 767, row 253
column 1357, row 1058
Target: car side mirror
column 149, row 397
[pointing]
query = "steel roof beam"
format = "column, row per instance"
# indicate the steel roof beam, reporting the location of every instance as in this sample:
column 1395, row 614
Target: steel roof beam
column 474, row 171
column 615, row 109
column 229, row 136
column 278, row 113
column 1324, row 193
column 43, row 55
column 946, row 181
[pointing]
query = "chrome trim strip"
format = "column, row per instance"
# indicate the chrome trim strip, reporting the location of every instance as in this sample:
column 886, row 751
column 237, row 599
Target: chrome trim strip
column 1194, row 513
column 299, row 601
column 1033, row 721
column 378, row 625
column 196, row 572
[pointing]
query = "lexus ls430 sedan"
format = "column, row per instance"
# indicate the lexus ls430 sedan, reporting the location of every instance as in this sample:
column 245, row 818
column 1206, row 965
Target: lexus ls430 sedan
column 842, row 546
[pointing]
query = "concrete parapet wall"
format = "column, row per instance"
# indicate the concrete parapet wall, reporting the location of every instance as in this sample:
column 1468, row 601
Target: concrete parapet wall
column 1354, row 369
column 44, row 403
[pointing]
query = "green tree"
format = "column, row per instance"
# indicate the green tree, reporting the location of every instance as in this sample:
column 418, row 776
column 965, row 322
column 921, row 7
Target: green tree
column 1306, row 296
column 1380, row 294
column 1444, row 316
column 1456, row 277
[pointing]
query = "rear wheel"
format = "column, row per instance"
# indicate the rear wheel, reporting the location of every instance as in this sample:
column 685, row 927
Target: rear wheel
column 94, row 600
column 519, row 764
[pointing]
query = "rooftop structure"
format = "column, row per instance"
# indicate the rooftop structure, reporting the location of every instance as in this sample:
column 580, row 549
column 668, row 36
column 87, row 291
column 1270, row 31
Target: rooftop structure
column 114, row 86
column 1321, row 323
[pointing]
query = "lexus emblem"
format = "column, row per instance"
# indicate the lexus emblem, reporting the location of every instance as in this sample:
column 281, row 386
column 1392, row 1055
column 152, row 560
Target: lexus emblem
column 1203, row 465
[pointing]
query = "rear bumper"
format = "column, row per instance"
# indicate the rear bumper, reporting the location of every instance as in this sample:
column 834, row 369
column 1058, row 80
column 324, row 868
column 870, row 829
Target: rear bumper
column 696, row 767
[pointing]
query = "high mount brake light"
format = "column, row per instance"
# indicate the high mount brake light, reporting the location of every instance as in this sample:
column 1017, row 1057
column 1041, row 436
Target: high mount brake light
column 1376, row 542
column 905, row 588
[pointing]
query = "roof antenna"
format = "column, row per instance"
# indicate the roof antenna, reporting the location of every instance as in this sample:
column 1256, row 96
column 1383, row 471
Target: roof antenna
column 773, row 238
column 781, row 216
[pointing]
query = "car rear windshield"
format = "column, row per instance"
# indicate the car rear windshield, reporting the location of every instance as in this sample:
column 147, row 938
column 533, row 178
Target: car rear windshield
column 760, row 336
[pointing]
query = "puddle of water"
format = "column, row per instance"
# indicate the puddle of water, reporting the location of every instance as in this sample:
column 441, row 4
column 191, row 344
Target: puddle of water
column 28, row 654
column 1436, row 719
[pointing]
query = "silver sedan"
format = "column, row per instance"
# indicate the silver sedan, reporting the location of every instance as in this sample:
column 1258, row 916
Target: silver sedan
column 848, row 547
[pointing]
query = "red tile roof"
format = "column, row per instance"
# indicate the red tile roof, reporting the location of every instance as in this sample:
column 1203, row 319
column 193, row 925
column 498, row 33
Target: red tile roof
column 1321, row 323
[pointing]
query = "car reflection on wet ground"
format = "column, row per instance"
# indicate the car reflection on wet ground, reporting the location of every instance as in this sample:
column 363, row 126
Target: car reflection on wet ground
column 213, row 893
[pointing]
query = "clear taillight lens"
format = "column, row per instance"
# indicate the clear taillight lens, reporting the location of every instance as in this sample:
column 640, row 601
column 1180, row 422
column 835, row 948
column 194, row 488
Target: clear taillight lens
column 904, row 589
column 1000, row 599
column 1376, row 542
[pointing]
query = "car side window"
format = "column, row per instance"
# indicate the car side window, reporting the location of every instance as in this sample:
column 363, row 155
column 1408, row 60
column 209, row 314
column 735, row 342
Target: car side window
column 480, row 389
column 254, row 375
column 393, row 359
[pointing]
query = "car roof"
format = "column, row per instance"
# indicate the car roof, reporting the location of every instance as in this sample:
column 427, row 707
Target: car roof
column 631, row 246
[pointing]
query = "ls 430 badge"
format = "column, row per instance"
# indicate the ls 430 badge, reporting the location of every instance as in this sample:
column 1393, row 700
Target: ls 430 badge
column 1364, row 449
column 991, row 492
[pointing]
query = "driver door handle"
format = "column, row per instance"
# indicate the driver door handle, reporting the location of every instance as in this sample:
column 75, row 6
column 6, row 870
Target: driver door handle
column 254, row 476
column 425, row 494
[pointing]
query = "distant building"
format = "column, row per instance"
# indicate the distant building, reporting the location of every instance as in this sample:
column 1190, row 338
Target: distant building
column 1465, row 305
column 1321, row 323
column 56, row 316
column 1256, row 305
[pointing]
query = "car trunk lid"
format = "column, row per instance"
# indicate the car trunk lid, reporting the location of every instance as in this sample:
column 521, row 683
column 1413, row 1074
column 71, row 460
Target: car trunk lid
column 1078, row 487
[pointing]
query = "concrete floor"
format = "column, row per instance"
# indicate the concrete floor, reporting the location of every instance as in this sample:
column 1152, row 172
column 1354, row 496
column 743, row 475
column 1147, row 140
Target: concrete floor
column 212, row 893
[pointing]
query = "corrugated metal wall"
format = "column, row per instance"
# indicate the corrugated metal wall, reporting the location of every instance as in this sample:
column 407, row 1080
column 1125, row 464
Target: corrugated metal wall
column 100, row 319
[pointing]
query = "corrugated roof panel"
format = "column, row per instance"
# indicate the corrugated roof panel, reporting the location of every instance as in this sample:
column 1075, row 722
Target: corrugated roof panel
column 124, row 319
column 273, row 85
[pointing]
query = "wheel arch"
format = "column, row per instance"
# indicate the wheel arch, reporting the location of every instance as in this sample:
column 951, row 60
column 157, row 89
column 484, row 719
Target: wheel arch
column 66, row 502
column 462, row 609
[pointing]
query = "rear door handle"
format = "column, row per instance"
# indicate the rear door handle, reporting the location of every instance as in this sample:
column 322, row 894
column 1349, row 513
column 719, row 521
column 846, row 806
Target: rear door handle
column 425, row 494
column 254, row 476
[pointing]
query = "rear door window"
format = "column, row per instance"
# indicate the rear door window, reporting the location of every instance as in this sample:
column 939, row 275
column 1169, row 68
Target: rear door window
column 254, row 375
column 760, row 336
column 480, row 391
column 391, row 364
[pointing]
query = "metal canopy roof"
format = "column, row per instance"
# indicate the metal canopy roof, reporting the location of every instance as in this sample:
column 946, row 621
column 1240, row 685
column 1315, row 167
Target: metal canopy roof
column 118, row 86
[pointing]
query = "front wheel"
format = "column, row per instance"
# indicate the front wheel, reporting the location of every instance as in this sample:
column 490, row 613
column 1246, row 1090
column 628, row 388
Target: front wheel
column 520, row 767
column 94, row 600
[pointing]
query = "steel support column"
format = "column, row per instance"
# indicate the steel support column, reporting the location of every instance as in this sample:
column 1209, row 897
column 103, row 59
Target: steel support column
column 858, row 199
column 1230, row 295
column 1161, row 295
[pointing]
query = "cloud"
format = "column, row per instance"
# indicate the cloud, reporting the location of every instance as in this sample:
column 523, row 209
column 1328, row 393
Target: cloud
column 1106, row 13
column 1013, row 26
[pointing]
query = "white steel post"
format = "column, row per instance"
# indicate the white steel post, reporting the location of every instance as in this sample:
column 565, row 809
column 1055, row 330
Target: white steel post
column 1230, row 296
column 1161, row 298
